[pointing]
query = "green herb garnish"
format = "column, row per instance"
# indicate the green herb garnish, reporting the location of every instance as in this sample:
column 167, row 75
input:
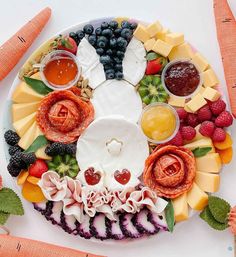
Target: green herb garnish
column 170, row 217
column 39, row 142
column 38, row 86
column 201, row 151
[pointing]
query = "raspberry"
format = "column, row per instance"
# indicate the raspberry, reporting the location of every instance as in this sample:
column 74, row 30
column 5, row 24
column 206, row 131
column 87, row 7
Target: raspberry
column 192, row 120
column 177, row 140
column 217, row 107
column 219, row 135
column 225, row 119
column 204, row 113
column 188, row 132
column 207, row 128
column 182, row 113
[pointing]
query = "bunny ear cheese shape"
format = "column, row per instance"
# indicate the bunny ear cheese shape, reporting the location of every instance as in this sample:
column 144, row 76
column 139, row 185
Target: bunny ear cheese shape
column 13, row 49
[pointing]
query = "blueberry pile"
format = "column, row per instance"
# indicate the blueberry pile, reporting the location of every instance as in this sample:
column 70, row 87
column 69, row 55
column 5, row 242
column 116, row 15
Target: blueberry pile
column 110, row 42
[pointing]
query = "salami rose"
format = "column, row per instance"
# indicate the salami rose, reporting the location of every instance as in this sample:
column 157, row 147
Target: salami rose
column 63, row 116
column 170, row 171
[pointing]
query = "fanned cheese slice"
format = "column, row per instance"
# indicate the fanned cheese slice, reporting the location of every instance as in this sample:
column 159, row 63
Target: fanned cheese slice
column 28, row 138
column 19, row 111
column 134, row 63
column 22, row 125
column 115, row 144
column 89, row 61
column 117, row 97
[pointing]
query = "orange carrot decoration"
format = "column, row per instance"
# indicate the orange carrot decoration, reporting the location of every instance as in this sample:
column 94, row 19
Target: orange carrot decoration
column 226, row 33
column 21, row 247
column 13, row 49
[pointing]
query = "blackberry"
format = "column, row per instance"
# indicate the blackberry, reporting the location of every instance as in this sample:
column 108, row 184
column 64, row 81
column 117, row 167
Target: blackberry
column 11, row 137
column 29, row 158
column 13, row 149
column 71, row 149
column 17, row 160
column 14, row 171
column 56, row 148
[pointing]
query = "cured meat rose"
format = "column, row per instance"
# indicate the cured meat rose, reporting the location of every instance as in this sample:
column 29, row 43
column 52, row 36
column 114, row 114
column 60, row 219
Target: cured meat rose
column 170, row 171
column 63, row 116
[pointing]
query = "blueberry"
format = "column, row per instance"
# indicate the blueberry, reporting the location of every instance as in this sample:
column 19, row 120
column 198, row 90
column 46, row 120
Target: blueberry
column 100, row 51
column 75, row 37
column 120, row 54
column 80, row 34
column 109, row 52
column 112, row 42
column 118, row 67
column 104, row 25
column 133, row 25
column 110, row 71
column 125, row 24
column 119, row 75
column 126, row 33
column 92, row 40
column 98, row 31
column 102, row 42
column 88, row 29
column 107, row 32
column 117, row 60
column 117, row 31
column 72, row 34
column 113, row 24
column 107, row 66
column 110, row 75
column 121, row 42
column 105, row 59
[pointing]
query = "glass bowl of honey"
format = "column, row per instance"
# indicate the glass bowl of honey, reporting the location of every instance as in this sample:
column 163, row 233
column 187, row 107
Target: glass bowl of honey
column 60, row 70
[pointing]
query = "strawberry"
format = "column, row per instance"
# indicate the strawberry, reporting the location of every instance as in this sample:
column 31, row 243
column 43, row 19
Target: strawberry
column 225, row 119
column 192, row 120
column 188, row 132
column 219, row 135
column 182, row 113
column 66, row 43
column 177, row 140
column 217, row 106
column 38, row 168
column 204, row 113
column 207, row 128
column 153, row 67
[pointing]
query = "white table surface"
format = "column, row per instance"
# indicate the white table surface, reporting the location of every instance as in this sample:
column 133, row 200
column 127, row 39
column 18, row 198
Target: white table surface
column 192, row 17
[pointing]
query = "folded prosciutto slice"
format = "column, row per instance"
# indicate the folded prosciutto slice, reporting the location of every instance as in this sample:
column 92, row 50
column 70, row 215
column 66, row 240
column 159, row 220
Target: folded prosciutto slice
column 170, row 171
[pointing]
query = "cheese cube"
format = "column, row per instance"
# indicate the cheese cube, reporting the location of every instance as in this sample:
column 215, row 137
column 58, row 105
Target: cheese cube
column 209, row 163
column 187, row 109
column 40, row 153
column 205, row 142
column 162, row 34
column 200, row 62
column 149, row 44
column 211, row 94
column 180, row 207
column 196, row 198
column 196, row 103
column 201, row 90
column 209, row 78
column 154, row 28
column 162, row 48
column 28, row 138
column 176, row 101
column 181, row 51
column 174, row 39
column 207, row 182
column 141, row 33
column 22, row 125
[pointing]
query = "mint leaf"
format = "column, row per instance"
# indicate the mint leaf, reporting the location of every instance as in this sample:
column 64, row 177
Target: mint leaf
column 207, row 216
column 10, row 202
column 199, row 152
column 38, row 86
column 151, row 56
column 170, row 217
column 3, row 217
column 219, row 208
column 39, row 142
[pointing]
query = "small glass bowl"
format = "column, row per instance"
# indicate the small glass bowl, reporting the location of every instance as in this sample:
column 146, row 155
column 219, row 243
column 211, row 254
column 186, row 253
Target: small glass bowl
column 176, row 61
column 176, row 118
column 58, row 54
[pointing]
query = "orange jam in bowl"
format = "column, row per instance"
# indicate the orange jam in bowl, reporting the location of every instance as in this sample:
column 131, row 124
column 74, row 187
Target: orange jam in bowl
column 59, row 70
column 159, row 122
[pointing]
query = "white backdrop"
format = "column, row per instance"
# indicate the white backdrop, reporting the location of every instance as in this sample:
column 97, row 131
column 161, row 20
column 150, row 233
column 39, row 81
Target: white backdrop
column 192, row 17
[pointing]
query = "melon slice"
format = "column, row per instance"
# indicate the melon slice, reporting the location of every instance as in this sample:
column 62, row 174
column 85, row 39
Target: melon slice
column 28, row 138
column 19, row 111
column 22, row 125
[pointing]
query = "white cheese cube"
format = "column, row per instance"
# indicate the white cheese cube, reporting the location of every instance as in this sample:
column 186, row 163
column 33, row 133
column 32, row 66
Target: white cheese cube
column 196, row 102
column 211, row 94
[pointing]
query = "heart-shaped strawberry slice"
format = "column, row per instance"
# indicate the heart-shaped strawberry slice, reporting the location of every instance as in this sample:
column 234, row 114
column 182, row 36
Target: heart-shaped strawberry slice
column 92, row 177
column 123, row 177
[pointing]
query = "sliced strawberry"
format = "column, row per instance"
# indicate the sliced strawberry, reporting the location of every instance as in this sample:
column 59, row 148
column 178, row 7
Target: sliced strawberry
column 38, row 168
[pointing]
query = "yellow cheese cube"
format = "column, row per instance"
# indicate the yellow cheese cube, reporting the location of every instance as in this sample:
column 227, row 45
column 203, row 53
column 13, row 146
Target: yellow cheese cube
column 211, row 94
column 196, row 102
column 187, row 109
column 201, row 63
column 149, row 44
column 141, row 33
column 180, row 207
column 207, row 182
column 209, row 163
column 181, row 51
column 20, row 111
column 154, row 28
column 28, row 138
column 204, row 142
column 176, row 101
column 209, row 78
column 201, row 90
column 196, row 198
column 162, row 48
column 40, row 153
column 162, row 34
column 174, row 39
column 22, row 125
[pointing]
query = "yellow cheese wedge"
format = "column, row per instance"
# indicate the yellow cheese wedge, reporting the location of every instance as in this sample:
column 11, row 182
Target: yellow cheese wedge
column 174, row 39
column 207, row 182
column 162, row 34
column 181, row 51
column 162, row 48
column 38, row 132
column 141, row 33
column 196, row 102
column 40, row 153
column 22, row 125
column 204, row 142
column 211, row 94
column 176, row 101
column 209, row 163
column 201, row 63
column 209, row 78
column 149, row 44
column 28, row 138
column 19, row 111
column 154, row 28
column 196, row 198
column 180, row 207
